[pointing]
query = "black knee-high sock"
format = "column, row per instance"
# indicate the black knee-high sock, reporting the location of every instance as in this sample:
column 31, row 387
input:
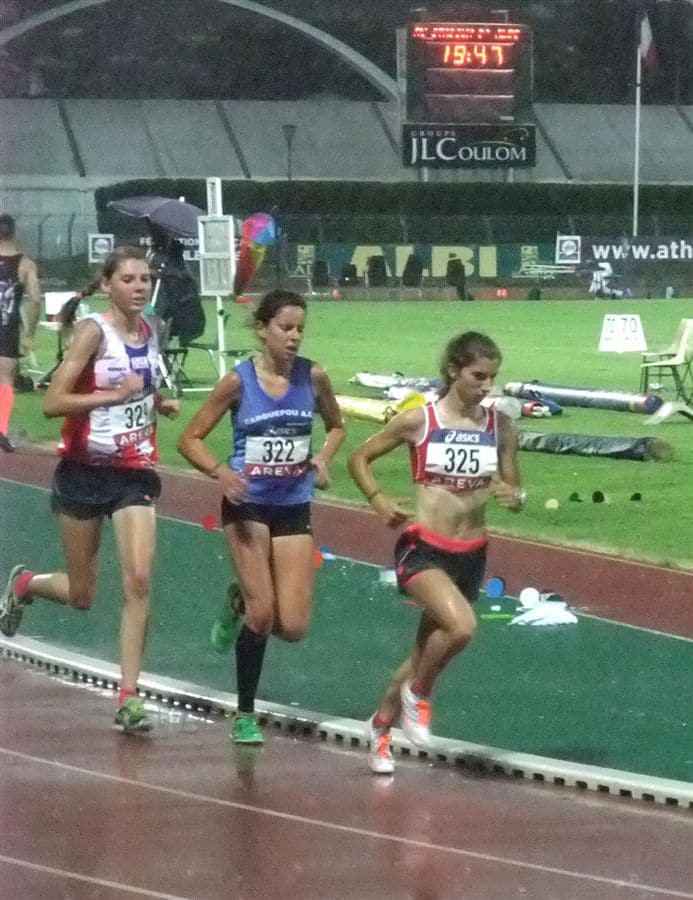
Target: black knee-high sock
column 250, row 653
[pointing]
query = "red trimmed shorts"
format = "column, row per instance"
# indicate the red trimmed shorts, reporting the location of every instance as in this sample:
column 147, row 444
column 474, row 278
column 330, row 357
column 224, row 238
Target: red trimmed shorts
column 419, row 549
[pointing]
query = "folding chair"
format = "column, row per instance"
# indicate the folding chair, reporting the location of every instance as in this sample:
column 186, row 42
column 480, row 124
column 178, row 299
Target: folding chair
column 236, row 354
column 675, row 362
column 172, row 361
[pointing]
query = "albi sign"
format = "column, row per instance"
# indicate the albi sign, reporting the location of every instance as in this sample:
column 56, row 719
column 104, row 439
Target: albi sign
column 469, row 146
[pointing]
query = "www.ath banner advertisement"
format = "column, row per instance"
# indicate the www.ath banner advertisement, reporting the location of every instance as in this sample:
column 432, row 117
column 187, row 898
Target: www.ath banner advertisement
column 579, row 250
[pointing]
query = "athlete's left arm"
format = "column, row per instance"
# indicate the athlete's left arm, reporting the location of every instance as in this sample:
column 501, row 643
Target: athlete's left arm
column 28, row 275
column 507, row 488
column 331, row 415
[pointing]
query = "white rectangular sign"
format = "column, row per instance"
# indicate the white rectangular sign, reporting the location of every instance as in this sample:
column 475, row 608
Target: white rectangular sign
column 568, row 250
column 53, row 301
column 100, row 245
column 622, row 333
column 217, row 255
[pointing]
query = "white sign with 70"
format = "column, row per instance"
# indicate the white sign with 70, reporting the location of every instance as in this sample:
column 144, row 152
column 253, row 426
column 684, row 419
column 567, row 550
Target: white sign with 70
column 622, row 333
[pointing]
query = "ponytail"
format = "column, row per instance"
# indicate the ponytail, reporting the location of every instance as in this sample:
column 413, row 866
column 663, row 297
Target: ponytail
column 68, row 311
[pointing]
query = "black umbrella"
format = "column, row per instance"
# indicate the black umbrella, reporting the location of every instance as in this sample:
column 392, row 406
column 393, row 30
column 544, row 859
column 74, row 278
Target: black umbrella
column 176, row 217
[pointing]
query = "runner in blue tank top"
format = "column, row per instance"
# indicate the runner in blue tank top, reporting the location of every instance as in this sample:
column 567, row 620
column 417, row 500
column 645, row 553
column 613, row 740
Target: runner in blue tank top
column 462, row 454
column 267, row 487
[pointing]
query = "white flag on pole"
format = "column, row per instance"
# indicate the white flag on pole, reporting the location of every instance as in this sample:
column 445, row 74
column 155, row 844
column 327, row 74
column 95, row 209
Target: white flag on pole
column 648, row 50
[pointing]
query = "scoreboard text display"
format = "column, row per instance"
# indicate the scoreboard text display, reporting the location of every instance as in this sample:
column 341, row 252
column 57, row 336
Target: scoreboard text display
column 467, row 72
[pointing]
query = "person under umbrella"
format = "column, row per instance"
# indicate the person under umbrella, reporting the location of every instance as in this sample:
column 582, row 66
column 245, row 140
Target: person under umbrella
column 176, row 298
column 175, row 218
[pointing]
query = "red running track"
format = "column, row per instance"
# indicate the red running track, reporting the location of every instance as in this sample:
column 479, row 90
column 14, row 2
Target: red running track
column 90, row 814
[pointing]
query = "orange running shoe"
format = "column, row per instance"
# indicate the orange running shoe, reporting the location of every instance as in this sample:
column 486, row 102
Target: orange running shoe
column 416, row 717
column 380, row 757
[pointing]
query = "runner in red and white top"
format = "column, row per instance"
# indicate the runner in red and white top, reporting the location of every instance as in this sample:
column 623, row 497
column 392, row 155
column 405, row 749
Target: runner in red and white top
column 118, row 434
column 462, row 455
column 106, row 389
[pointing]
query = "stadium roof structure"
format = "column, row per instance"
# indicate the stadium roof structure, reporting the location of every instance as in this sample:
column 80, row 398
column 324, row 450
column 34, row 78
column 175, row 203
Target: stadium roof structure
column 372, row 73
column 65, row 134
column 291, row 49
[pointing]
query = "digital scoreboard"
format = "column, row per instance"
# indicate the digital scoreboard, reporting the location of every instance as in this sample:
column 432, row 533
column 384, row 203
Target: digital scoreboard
column 468, row 72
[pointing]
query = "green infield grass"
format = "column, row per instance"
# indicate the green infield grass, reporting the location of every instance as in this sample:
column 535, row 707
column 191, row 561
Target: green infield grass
column 553, row 341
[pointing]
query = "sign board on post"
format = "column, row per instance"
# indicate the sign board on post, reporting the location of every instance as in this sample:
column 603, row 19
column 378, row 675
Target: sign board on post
column 568, row 249
column 622, row 333
column 217, row 255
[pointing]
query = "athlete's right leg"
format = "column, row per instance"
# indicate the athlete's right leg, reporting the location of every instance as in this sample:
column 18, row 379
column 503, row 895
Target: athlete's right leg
column 447, row 625
column 378, row 727
column 391, row 704
column 75, row 587
column 380, row 757
column 250, row 547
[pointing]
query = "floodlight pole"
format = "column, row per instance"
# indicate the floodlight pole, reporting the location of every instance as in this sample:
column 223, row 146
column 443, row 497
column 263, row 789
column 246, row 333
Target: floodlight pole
column 636, row 162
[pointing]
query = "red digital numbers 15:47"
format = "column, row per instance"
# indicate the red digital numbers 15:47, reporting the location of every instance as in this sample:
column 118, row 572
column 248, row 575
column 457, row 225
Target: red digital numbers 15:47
column 490, row 56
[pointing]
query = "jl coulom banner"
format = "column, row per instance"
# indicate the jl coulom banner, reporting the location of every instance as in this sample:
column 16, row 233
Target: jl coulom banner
column 469, row 146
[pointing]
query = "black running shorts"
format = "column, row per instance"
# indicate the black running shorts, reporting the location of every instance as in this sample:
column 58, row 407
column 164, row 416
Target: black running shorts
column 419, row 549
column 9, row 340
column 280, row 520
column 91, row 492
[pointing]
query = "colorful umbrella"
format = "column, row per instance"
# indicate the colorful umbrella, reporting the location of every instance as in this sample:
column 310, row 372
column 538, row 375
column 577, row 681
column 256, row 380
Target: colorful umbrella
column 257, row 233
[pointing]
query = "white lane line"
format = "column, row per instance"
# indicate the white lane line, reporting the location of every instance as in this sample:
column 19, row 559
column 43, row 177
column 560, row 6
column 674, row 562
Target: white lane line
column 75, row 876
column 348, row 829
column 560, row 548
column 666, row 634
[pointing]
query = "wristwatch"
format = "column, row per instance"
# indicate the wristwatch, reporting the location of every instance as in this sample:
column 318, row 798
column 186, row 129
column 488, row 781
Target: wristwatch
column 521, row 497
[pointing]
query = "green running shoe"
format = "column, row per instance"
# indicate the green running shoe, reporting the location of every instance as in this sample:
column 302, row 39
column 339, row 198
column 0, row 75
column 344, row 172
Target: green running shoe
column 245, row 730
column 226, row 627
column 132, row 717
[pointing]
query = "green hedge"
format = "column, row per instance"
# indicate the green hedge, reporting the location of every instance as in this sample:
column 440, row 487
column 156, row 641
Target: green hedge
column 521, row 211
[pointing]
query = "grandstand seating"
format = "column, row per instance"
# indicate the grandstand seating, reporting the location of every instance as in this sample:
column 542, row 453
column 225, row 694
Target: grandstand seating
column 56, row 153
column 335, row 139
column 33, row 140
column 597, row 142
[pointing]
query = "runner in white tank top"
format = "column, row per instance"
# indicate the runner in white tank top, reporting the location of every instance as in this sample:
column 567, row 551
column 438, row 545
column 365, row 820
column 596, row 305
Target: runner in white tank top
column 119, row 434
column 105, row 388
